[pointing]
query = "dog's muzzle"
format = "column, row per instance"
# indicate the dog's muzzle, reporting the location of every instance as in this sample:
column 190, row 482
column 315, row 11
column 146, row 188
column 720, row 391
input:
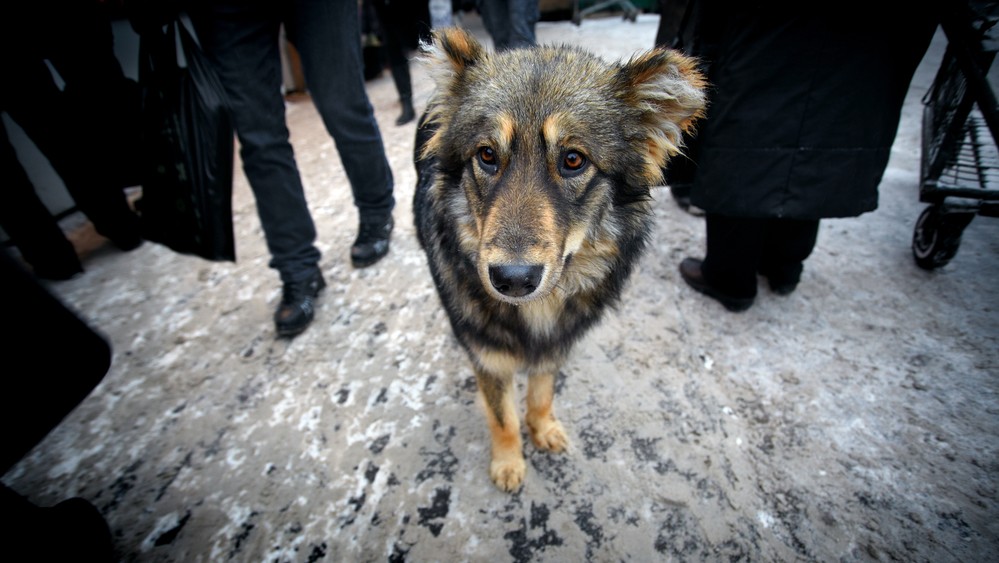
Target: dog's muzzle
column 516, row 280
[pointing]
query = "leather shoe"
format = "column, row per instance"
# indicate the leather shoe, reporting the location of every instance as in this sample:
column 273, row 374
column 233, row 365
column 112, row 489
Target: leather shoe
column 298, row 305
column 690, row 271
column 372, row 242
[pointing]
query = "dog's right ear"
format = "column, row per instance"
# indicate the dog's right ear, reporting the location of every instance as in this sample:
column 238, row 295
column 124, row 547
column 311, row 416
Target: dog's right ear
column 457, row 47
column 452, row 52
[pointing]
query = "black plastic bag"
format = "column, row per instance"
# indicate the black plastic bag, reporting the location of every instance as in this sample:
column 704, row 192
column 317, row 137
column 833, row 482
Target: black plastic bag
column 187, row 147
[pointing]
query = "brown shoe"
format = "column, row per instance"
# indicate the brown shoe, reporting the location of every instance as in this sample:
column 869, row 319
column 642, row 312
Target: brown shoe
column 690, row 271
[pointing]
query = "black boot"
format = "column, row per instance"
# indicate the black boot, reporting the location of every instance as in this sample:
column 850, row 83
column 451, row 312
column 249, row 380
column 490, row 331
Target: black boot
column 408, row 113
column 372, row 241
column 298, row 305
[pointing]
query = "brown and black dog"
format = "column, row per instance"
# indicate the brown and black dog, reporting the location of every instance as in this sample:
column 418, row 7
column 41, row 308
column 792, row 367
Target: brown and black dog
column 533, row 205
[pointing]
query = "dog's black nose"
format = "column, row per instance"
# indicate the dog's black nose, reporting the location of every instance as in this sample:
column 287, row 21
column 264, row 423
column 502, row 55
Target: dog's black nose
column 517, row 280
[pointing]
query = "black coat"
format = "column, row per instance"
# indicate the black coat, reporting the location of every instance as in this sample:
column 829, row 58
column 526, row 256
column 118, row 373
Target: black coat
column 804, row 106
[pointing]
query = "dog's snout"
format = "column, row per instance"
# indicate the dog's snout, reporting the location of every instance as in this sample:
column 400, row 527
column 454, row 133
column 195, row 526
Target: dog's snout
column 516, row 280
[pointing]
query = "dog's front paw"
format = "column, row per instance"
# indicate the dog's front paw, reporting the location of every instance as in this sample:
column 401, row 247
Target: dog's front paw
column 548, row 434
column 508, row 473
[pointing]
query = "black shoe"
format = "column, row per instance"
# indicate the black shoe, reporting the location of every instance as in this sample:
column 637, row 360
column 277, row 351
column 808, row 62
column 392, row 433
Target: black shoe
column 782, row 288
column 372, row 242
column 690, row 270
column 408, row 113
column 783, row 283
column 127, row 243
column 298, row 306
column 125, row 233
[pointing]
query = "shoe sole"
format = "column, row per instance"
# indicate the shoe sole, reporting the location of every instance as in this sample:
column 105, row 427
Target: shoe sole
column 365, row 263
column 286, row 333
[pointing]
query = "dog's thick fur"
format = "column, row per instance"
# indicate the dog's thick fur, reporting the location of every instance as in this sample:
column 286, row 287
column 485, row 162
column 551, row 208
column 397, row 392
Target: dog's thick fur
column 533, row 204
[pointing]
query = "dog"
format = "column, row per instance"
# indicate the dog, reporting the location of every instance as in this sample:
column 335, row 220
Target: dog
column 533, row 204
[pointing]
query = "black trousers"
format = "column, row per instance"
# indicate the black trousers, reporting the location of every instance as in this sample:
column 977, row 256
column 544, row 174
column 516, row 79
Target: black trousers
column 54, row 360
column 739, row 248
column 59, row 359
column 403, row 25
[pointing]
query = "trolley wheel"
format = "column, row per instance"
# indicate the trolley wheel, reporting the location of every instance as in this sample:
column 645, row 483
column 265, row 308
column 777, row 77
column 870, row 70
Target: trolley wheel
column 937, row 237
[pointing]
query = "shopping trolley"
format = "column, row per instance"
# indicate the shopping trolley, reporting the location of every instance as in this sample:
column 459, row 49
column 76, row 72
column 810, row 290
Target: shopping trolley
column 959, row 172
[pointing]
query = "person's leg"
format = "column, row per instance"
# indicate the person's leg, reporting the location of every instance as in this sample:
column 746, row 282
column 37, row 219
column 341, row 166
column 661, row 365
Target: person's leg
column 325, row 33
column 787, row 243
column 100, row 96
column 523, row 16
column 728, row 271
column 242, row 42
column 734, row 245
column 61, row 133
column 441, row 13
column 394, row 27
column 679, row 176
column 29, row 224
column 496, row 19
column 56, row 359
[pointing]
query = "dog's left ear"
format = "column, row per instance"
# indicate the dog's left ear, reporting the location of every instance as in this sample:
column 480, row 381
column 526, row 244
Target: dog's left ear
column 667, row 89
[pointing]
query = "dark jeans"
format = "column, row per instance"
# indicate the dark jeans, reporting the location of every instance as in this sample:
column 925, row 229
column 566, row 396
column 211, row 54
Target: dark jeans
column 740, row 247
column 242, row 40
column 510, row 22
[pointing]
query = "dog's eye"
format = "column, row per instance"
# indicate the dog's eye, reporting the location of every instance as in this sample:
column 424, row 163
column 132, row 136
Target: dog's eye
column 573, row 161
column 487, row 157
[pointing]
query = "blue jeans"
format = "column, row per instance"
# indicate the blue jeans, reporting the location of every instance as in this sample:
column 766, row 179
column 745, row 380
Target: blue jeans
column 510, row 23
column 241, row 38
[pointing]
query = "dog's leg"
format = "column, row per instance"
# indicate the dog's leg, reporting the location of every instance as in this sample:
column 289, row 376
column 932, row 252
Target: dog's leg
column 507, row 467
column 546, row 431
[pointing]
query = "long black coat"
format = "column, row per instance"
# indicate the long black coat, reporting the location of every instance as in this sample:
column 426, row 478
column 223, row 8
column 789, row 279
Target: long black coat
column 804, row 106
